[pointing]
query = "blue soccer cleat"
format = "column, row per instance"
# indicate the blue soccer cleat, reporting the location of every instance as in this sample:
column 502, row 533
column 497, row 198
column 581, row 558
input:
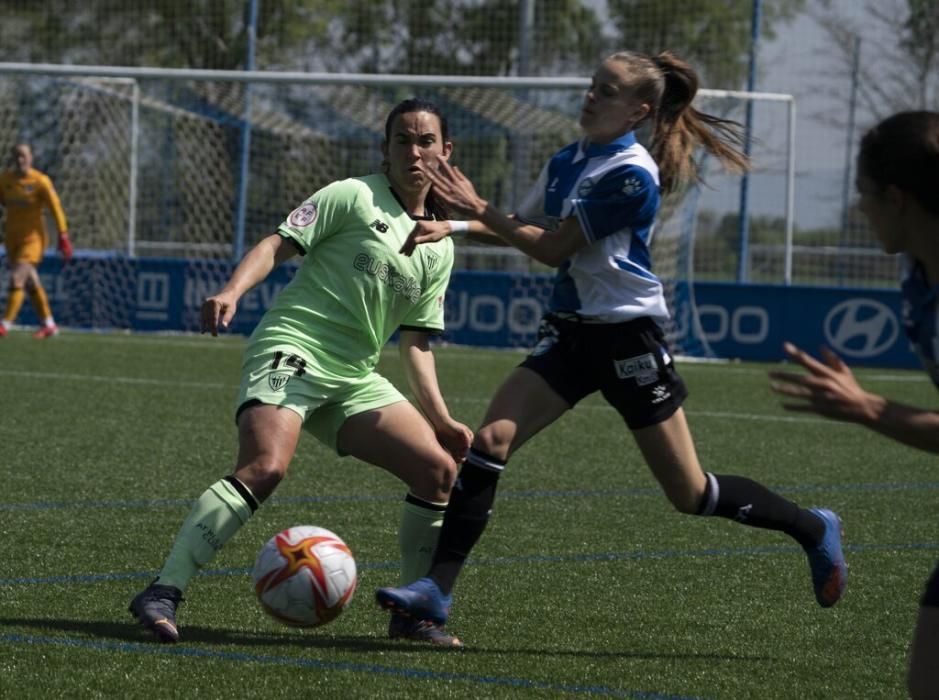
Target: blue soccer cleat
column 421, row 600
column 155, row 608
column 826, row 561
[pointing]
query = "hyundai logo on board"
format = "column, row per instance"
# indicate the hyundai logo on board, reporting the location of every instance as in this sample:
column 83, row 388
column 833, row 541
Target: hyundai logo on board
column 861, row 328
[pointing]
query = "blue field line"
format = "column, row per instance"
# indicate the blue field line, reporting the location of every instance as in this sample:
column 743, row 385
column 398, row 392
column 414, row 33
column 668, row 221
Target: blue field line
column 315, row 664
column 499, row 561
column 378, row 498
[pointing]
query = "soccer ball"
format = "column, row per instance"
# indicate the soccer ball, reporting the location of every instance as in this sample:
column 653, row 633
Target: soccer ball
column 304, row 576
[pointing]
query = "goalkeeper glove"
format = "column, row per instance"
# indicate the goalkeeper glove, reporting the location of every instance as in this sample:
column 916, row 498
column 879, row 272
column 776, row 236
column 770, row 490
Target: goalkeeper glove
column 65, row 246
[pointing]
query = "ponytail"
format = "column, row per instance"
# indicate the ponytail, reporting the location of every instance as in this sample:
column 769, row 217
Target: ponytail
column 669, row 85
column 679, row 128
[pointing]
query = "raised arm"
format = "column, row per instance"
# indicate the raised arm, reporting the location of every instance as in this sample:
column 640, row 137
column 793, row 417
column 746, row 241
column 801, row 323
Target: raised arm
column 549, row 247
column 219, row 309
column 421, row 370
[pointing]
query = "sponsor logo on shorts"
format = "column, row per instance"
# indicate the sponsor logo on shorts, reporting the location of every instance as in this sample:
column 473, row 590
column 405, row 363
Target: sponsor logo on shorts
column 303, row 216
column 643, row 368
column 278, row 380
column 660, row 394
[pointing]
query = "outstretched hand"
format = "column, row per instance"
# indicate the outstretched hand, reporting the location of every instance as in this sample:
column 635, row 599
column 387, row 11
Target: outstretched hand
column 425, row 232
column 217, row 312
column 456, row 190
column 830, row 389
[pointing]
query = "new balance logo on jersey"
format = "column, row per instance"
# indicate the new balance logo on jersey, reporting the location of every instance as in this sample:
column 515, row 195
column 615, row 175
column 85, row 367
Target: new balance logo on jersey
column 379, row 225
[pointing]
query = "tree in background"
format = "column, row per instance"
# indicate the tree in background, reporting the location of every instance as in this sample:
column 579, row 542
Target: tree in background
column 881, row 62
column 899, row 41
column 478, row 37
column 713, row 36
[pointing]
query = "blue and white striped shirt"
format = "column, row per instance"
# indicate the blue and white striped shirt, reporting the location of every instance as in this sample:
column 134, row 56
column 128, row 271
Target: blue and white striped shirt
column 613, row 190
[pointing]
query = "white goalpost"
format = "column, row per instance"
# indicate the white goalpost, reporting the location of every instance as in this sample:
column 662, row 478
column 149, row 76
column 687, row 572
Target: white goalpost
column 148, row 164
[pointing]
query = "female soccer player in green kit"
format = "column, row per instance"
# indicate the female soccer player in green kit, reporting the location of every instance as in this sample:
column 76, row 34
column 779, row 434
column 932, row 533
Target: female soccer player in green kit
column 311, row 362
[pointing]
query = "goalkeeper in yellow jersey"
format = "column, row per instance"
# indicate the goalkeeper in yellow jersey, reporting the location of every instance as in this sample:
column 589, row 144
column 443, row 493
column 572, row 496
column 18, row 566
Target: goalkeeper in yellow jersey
column 25, row 193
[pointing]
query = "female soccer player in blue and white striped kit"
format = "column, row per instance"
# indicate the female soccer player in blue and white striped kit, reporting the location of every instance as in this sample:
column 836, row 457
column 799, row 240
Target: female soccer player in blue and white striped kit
column 591, row 215
column 898, row 180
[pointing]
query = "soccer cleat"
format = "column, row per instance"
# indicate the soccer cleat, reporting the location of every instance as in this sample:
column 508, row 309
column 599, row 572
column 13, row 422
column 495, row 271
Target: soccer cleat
column 826, row 561
column 421, row 600
column 46, row 332
column 404, row 627
column 3, row 330
column 155, row 608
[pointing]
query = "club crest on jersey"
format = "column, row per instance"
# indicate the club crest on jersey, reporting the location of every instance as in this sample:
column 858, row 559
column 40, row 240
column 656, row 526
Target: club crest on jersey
column 431, row 262
column 643, row 368
column 583, row 189
column 303, row 216
column 278, row 380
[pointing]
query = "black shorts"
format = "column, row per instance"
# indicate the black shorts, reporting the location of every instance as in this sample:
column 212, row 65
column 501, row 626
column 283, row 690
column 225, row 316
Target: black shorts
column 627, row 362
column 930, row 597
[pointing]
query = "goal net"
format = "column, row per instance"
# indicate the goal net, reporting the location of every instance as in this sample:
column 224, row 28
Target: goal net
column 168, row 177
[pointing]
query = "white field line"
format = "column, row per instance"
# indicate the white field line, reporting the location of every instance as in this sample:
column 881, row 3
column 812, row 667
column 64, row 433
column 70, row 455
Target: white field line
column 237, row 343
column 231, row 387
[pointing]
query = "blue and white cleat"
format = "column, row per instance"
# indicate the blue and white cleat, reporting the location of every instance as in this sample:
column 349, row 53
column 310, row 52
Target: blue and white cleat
column 826, row 560
column 421, row 600
column 155, row 608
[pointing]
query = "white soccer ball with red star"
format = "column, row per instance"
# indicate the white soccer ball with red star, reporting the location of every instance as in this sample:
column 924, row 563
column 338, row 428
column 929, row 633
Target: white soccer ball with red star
column 305, row 576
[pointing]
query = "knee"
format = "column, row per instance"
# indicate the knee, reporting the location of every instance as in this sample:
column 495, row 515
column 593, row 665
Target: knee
column 262, row 475
column 436, row 481
column 494, row 439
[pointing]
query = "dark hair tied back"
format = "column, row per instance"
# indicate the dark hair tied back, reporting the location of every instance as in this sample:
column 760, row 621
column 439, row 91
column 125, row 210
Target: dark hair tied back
column 433, row 206
column 903, row 151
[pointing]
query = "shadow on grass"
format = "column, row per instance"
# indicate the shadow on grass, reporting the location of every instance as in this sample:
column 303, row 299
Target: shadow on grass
column 194, row 634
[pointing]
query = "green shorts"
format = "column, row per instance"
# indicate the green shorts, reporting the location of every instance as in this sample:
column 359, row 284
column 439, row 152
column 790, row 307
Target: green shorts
column 281, row 375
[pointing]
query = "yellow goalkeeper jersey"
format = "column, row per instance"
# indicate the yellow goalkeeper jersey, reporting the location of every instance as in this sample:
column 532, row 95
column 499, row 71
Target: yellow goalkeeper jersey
column 24, row 198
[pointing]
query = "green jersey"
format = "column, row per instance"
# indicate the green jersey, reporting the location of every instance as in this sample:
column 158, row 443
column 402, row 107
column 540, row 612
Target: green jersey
column 353, row 289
